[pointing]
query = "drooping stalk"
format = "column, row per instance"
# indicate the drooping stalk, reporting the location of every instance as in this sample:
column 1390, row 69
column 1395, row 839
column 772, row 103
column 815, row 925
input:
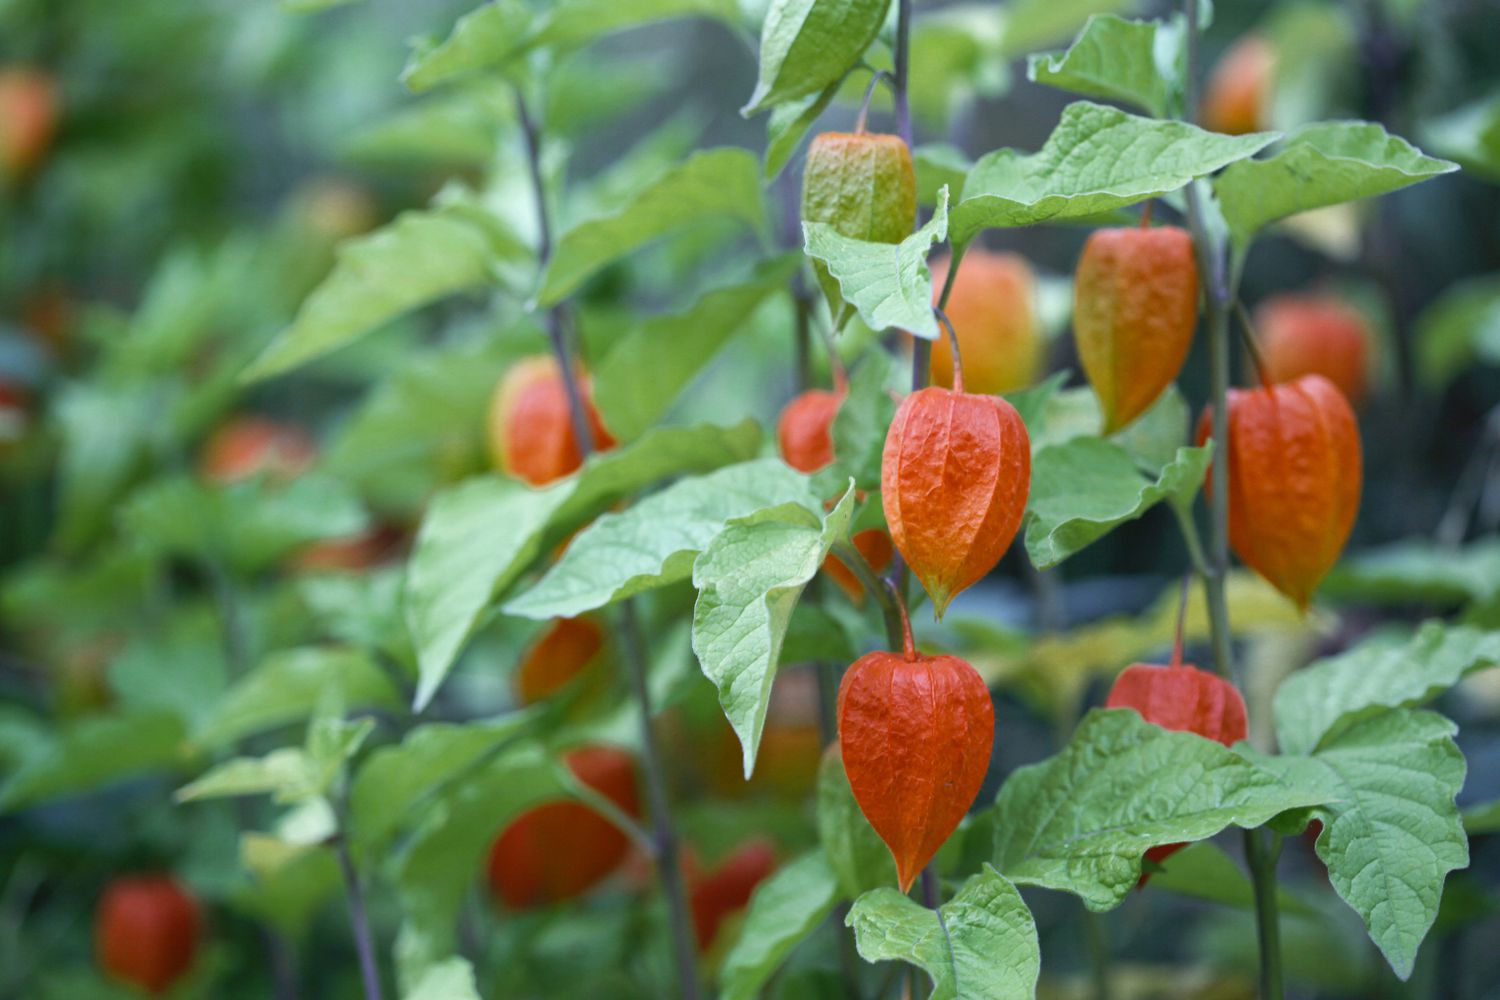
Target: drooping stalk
column 359, row 917
column 1218, row 297
column 664, row 834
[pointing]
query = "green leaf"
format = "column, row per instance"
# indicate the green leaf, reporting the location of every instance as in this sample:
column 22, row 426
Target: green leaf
column 1096, row 160
column 1483, row 818
column 484, row 38
column 1461, row 327
column 714, row 183
column 1203, row 871
column 789, row 123
column 440, row 862
column 1031, row 24
column 395, row 779
column 248, row 526
column 361, row 610
column 1084, row 488
column 655, row 542
column 890, row 285
column 1315, row 705
column 498, row 33
column 571, row 23
column 749, row 579
column 1470, row 135
column 1395, row 834
column 980, row 945
column 424, row 426
column 420, row 257
column 290, row 774
column 805, row 45
column 1081, row 821
column 461, row 129
column 450, row 979
column 1133, row 62
column 648, row 368
column 957, row 50
column 92, row 752
column 1323, row 164
column 479, row 536
column 785, row 909
column 289, row 687
column 939, row 165
column 1418, row 571
column 859, row 858
column 311, row 6
column 860, row 426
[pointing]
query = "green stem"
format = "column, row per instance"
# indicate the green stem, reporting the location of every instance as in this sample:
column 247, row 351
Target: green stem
column 1097, row 943
column 664, row 836
column 870, row 580
column 1219, row 294
column 1262, row 860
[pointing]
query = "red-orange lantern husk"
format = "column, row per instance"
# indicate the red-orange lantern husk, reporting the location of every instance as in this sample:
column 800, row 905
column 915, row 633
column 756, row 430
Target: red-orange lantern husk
column 562, row 849
column 1185, row 699
column 1315, row 335
column 954, row 478
column 146, row 931
column 724, row 891
column 805, row 431
column 915, row 733
column 561, row 654
column 1295, row 473
column 531, row 424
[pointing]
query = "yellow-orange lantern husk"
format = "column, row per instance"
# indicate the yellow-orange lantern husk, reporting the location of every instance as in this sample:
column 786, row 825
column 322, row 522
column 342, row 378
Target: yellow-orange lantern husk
column 1135, row 307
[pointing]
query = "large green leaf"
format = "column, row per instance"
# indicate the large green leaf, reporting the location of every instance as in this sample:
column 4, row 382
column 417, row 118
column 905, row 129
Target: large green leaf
column 1133, row 62
column 980, row 945
column 1082, row 820
column 1418, row 571
column 420, row 257
column 656, row 541
column 92, row 752
column 714, row 183
column 749, row 579
column 889, row 284
column 289, row 686
column 395, row 778
column 1097, row 159
column 1084, row 488
column 1322, row 164
column 859, row 858
column 478, row 537
column 786, row 908
column 649, row 366
column 805, row 45
column 1315, row 705
column 1395, row 833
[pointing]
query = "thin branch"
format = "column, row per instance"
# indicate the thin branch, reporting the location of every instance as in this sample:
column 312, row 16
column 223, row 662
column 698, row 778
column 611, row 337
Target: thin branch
column 903, row 69
column 1247, row 333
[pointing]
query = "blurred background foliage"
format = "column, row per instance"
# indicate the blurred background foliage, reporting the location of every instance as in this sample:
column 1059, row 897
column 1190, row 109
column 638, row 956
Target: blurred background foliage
column 209, row 158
